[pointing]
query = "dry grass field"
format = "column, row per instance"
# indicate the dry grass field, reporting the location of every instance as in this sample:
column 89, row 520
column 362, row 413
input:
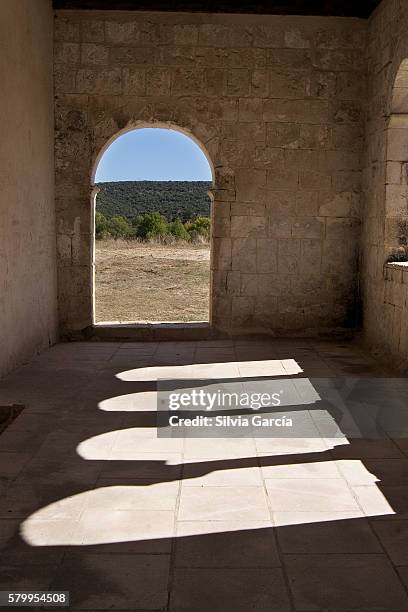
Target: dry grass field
column 151, row 282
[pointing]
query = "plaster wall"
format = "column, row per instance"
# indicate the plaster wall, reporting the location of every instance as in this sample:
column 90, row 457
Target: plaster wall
column 28, row 311
column 278, row 103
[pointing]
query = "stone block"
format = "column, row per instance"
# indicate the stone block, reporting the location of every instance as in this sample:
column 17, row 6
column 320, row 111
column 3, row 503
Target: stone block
column 347, row 137
column 64, row 79
column 276, row 285
column 286, row 84
column 175, row 56
column 185, row 81
column 219, row 282
column 307, row 204
column 122, row 32
column 350, row 86
column 155, row 34
column 233, row 283
column 343, row 204
column 92, row 53
column 342, row 228
column 244, row 226
column 221, row 226
column 279, row 227
column 314, row 137
column 309, row 179
column 256, row 209
column 244, row 131
column 339, row 60
column 284, row 135
column 158, row 82
column 282, row 203
column 346, row 111
column 213, row 35
column 260, row 83
column 250, row 109
column 66, row 30
column 134, row 81
column 244, row 254
column 283, row 178
column 288, row 256
column 242, row 311
column 266, row 308
column 310, row 256
column 93, row 31
column 221, row 312
column 67, row 53
column 248, row 183
column 321, row 84
column 268, row 36
column 348, row 38
column 293, row 59
column 121, row 56
column 266, row 255
column 394, row 173
column 297, row 39
column 237, row 82
column 308, row 227
column 222, row 254
column 96, row 81
column 185, row 34
column 249, row 284
column 346, row 181
column 296, row 111
column 397, row 144
column 396, row 197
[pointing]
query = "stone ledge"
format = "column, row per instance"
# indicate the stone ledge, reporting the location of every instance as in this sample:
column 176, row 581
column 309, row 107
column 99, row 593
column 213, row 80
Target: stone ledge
column 396, row 271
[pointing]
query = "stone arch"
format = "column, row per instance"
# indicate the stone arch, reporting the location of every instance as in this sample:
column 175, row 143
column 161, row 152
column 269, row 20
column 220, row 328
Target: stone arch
column 98, row 155
column 396, row 189
column 138, row 125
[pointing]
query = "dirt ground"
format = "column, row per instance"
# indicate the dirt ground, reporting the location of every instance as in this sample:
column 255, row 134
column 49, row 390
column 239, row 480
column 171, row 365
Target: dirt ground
column 149, row 282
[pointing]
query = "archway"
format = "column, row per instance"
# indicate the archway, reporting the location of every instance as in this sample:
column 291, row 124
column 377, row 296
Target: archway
column 152, row 227
column 396, row 197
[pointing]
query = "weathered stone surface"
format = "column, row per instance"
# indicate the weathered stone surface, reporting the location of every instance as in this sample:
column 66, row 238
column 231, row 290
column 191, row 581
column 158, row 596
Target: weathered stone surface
column 278, row 105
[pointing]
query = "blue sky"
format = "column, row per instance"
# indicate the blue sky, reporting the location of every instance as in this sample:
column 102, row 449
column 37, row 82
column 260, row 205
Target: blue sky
column 153, row 154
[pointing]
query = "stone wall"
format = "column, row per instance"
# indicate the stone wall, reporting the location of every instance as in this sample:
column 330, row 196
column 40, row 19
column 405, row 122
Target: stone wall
column 28, row 309
column 385, row 177
column 278, row 105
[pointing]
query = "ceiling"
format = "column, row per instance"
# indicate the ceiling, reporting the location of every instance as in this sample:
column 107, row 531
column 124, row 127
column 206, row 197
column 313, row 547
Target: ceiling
column 346, row 8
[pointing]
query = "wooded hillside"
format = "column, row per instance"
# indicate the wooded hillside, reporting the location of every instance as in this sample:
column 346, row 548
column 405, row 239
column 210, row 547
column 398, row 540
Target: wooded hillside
column 173, row 199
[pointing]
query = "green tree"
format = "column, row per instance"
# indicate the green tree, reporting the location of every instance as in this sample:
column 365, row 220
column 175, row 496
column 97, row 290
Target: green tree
column 119, row 227
column 199, row 228
column 101, row 226
column 151, row 225
column 177, row 229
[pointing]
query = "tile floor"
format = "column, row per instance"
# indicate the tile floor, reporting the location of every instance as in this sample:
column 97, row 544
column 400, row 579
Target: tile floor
column 92, row 502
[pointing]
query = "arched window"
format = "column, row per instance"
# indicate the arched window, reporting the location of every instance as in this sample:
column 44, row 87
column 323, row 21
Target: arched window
column 152, row 228
column 396, row 201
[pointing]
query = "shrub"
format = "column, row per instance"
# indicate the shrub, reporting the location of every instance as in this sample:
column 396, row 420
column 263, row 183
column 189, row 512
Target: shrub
column 177, row 229
column 150, row 225
column 199, row 228
column 101, row 227
column 119, row 227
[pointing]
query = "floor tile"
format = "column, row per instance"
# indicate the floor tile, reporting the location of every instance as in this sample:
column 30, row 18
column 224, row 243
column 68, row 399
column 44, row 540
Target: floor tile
column 393, row 535
column 118, row 581
column 344, row 583
column 208, row 590
column 223, row 503
column 322, row 494
column 331, row 536
column 226, row 544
